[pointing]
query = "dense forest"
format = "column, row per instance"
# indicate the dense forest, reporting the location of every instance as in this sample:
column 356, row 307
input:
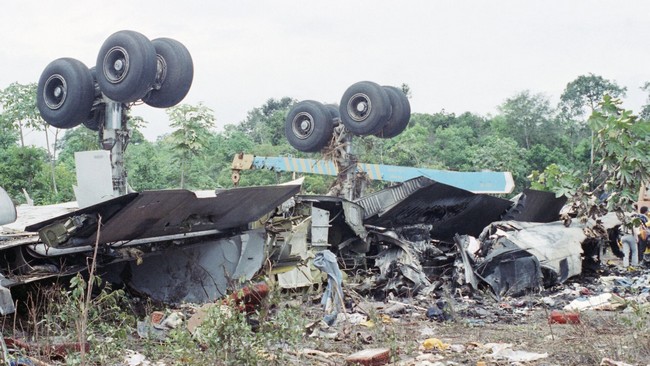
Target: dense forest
column 585, row 142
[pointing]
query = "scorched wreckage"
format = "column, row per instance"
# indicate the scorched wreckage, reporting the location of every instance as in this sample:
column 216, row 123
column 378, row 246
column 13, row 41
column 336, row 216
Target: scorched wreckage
column 181, row 246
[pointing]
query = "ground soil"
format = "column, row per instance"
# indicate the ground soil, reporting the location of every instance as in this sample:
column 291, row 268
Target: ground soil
column 617, row 335
column 473, row 321
column 621, row 335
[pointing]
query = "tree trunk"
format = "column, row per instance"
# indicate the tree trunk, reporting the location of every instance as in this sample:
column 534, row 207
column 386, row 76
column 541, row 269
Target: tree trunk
column 52, row 162
column 22, row 139
column 182, row 174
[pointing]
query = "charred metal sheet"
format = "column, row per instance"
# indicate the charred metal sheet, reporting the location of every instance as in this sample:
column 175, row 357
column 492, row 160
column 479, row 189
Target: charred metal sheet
column 558, row 248
column 465, row 264
column 157, row 213
column 196, row 273
column 400, row 265
column 536, row 206
column 511, row 271
column 449, row 210
column 106, row 209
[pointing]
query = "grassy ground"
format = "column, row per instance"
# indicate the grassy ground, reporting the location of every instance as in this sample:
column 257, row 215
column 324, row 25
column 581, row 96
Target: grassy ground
column 286, row 330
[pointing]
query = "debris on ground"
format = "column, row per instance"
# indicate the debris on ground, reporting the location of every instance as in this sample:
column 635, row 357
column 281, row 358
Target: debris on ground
column 369, row 357
column 504, row 351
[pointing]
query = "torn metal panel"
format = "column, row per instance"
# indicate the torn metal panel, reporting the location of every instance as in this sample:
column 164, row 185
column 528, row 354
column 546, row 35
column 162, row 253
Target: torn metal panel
column 6, row 301
column 195, row 273
column 354, row 217
column 320, row 225
column 463, row 244
column 557, row 247
column 383, row 200
column 536, row 206
column 345, row 216
column 510, row 271
column 296, row 243
column 447, row 209
column 158, row 213
column 400, row 265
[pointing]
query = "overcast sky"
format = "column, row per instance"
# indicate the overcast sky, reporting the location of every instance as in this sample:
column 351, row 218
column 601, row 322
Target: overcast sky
column 455, row 55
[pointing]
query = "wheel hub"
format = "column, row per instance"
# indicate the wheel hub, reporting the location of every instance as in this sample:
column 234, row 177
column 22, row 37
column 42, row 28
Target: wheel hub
column 303, row 125
column 116, row 65
column 359, row 106
column 55, row 91
column 161, row 72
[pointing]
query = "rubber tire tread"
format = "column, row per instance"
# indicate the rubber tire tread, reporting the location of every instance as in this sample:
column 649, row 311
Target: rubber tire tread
column 80, row 93
column 323, row 126
column 142, row 67
column 380, row 109
column 400, row 115
column 180, row 72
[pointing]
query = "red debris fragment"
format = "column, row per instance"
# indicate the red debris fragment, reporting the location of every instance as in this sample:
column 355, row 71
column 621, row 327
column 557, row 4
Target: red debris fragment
column 561, row 317
column 369, row 357
column 250, row 296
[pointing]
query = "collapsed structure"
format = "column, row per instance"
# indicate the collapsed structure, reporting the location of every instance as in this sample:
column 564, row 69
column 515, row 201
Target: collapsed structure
column 409, row 238
column 176, row 246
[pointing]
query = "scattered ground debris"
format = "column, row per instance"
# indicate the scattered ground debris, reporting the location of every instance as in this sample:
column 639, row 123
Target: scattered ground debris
column 404, row 275
column 369, row 357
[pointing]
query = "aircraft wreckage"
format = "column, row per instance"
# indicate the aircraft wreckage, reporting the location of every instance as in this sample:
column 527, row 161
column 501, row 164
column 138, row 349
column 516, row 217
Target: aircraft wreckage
column 181, row 246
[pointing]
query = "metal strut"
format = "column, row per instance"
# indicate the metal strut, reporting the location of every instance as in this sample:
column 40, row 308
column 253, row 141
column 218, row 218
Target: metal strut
column 115, row 139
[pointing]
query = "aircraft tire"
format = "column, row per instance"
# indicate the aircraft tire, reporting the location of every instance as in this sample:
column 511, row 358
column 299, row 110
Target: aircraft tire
column 364, row 108
column 65, row 93
column 177, row 74
column 308, row 126
column 400, row 113
column 126, row 66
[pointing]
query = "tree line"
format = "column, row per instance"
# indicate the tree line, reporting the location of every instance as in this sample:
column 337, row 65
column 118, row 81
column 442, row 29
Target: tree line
column 584, row 139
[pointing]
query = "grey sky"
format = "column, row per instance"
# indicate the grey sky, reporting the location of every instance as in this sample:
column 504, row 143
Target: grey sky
column 455, row 55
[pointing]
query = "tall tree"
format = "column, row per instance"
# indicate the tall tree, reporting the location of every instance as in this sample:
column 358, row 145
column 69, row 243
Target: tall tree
column 645, row 110
column 19, row 167
column 18, row 102
column 623, row 150
column 527, row 117
column 581, row 97
column 193, row 124
column 264, row 125
column 501, row 154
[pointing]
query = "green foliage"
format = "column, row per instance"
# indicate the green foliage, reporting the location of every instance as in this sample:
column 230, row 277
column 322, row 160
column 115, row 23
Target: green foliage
column 453, row 145
column 555, row 178
column 193, row 124
column 411, row 148
column 110, row 321
column 266, row 123
column 148, row 167
column 623, row 150
column 8, row 134
column 73, row 140
column 645, row 110
column 43, row 194
column 19, row 109
column 501, row 154
column 585, row 92
column 228, row 336
column 528, row 119
column 540, row 156
column 19, row 167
